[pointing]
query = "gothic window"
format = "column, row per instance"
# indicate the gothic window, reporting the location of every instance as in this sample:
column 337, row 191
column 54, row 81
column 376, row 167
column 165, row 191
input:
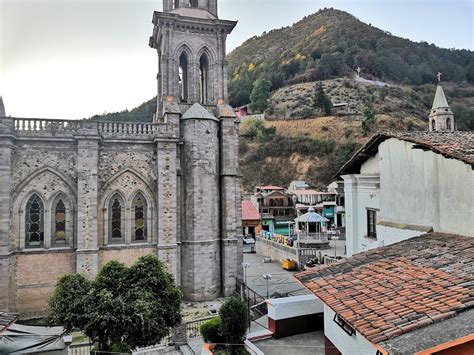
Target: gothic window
column 203, row 78
column 448, row 123
column 175, row 4
column 116, row 218
column 139, row 209
column 34, row 222
column 60, row 222
column 433, row 125
column 183, row 78
column 194, row 3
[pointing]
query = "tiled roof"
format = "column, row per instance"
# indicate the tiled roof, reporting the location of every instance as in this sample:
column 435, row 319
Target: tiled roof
column 455, row 145
column 249, row 212
column 386, row 292
column 6, row 319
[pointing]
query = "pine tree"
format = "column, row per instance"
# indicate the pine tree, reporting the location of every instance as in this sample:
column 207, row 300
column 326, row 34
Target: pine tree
column 321, row 100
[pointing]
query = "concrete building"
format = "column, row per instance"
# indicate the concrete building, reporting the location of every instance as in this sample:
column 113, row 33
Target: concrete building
column 77, row 194
column 401, row 185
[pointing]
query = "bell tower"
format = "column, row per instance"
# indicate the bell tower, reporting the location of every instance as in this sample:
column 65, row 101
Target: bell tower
column 441, row 116
column 190, row 41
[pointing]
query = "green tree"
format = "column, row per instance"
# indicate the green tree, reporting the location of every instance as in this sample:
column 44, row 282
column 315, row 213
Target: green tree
column 123, row 307
column 368, row 120
column 321, row 100
column 260, row 94
column 234, row 317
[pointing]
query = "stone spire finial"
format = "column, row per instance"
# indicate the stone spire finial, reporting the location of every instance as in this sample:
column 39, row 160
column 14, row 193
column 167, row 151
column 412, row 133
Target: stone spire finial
column 2, row 108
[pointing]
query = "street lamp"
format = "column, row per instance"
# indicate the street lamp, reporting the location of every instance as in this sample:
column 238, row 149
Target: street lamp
column 267, row 277
column 335, row 244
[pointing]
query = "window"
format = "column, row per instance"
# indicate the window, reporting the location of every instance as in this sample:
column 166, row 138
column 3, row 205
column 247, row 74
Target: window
column 60, row 222
column 183, row 78
column 34, row 222
column 139, row 218
column 175, row 4
column 433, row 125
column 372, row 224
column 203, row 78
column 116, row 218
column 194, row 3
column 448, row 123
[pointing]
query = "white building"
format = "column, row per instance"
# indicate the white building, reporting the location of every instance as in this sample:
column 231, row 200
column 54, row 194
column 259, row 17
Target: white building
column 401, row 185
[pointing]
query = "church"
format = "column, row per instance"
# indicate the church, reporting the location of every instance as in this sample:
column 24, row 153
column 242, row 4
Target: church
column 77, row 194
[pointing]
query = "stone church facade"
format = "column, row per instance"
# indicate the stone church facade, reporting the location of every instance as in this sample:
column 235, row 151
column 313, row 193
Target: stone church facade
column 77, row 194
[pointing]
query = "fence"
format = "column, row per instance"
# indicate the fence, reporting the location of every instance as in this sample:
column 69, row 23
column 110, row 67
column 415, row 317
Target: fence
column 192, row 327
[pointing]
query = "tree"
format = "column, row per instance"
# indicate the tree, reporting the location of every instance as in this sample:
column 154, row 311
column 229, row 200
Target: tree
column 123, row 307
column 321, row 100
column 368, row 120
column 260, row 94
column 234, row 317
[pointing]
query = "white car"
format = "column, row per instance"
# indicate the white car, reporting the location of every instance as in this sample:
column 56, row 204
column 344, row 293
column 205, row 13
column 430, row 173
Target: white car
column 249, row 240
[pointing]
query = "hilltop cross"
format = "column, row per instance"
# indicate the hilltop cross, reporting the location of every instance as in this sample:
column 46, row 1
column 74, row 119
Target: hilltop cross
column 439, row 76
column 358, row 71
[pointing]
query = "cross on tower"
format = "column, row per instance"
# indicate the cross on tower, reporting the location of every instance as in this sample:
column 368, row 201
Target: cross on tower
column 439, row 76
column 358, row 71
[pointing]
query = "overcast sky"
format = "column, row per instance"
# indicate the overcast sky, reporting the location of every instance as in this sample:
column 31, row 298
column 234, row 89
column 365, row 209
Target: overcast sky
column 76, row 58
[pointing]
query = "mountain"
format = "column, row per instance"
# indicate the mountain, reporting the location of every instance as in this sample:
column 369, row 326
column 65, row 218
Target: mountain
column 326, row 47
column 333, row 43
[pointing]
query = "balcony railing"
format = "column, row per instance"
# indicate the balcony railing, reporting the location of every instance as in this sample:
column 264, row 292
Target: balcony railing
column 43, row 125
column 38, row 126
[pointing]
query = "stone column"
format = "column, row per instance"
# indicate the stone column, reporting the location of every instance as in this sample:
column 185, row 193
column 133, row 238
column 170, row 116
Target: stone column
column 6, row 148
column 87, row 196
column 231, row 201
column 167, row 200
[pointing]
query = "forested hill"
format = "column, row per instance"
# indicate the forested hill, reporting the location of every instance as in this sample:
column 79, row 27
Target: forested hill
column 333, row 43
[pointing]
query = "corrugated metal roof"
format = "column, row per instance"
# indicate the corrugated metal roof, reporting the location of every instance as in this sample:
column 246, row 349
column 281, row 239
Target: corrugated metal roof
column 249, row 212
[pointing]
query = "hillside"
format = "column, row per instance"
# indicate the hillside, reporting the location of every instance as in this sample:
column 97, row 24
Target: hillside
column 326, row 47
column 332, row 43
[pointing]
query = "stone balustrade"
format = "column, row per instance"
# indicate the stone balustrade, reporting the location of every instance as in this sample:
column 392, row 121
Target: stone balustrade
column 106, row 129
column 44, row 125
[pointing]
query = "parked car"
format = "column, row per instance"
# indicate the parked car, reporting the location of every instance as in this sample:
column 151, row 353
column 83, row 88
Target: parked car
column 249, row 240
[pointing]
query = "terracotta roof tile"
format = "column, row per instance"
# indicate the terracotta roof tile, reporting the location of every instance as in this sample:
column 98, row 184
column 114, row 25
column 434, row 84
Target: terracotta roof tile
column 455, row 145
column 389, row 291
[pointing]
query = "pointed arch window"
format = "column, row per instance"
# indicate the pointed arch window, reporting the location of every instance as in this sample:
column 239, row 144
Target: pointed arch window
column 139, row 218
column 194, row 3
column 60, row 221
column 433, row 125
column 204, row 78
column 116, row 219
column 183, row 77
column 34, row 222
column 448, row 124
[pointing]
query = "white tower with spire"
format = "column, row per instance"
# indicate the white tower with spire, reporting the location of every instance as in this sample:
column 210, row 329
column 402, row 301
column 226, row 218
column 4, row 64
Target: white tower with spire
column 441, row 116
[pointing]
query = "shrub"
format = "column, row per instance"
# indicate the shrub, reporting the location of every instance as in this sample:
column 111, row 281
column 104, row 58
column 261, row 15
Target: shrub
column 234, row 316
column 211, row 330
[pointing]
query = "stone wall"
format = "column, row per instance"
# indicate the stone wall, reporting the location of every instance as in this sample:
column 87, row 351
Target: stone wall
column 275, row 251
column 34, row 277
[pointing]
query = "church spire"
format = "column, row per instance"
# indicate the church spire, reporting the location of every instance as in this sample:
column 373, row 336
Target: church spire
column 441, row 116
column 2, row 108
